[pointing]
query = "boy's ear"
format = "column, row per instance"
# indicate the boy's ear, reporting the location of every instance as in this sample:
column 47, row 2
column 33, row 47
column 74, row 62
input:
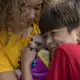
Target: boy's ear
column 78, row 34
column 78, row 31
column 78, row 37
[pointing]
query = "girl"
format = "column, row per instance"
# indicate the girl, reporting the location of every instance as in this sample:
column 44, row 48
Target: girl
column 16, row 31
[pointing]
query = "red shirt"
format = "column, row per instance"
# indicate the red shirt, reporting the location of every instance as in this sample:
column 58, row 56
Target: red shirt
column 66, row 63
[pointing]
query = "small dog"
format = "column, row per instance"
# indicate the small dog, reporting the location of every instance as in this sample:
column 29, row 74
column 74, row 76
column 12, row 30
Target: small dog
column 37, row 43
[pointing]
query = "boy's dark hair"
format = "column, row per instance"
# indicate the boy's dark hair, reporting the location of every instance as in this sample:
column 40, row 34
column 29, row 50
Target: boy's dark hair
column 65, row 14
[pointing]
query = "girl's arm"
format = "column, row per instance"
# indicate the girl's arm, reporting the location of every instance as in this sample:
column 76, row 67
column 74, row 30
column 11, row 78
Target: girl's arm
column 26, row 61
column 26, row 72
column 9, row 75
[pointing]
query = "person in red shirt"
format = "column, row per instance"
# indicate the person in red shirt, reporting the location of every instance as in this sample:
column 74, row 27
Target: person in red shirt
column 66, row 63
column 60, row 26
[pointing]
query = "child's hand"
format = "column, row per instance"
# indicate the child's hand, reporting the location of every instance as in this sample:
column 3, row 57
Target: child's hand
column 28, row 56
column 18, row 73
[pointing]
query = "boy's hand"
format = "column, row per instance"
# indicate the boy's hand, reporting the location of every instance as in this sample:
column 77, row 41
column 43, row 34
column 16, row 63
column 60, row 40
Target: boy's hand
column 28, row 56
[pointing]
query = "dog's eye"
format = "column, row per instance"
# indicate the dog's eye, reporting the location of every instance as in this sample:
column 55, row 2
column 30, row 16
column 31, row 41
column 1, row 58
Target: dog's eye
column 31, row 39
column 38, row 43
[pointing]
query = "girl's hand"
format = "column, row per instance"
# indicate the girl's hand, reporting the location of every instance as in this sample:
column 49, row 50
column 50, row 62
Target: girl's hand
column 28, row 56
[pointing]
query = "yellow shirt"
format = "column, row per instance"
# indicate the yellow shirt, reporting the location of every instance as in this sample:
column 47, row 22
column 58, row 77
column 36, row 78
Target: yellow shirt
column 10, row 54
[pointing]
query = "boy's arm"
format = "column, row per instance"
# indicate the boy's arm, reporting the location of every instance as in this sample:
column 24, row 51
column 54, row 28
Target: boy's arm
column 59, row 69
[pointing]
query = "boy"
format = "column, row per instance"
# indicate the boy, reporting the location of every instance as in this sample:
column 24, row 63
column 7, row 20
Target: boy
column 60, row 26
